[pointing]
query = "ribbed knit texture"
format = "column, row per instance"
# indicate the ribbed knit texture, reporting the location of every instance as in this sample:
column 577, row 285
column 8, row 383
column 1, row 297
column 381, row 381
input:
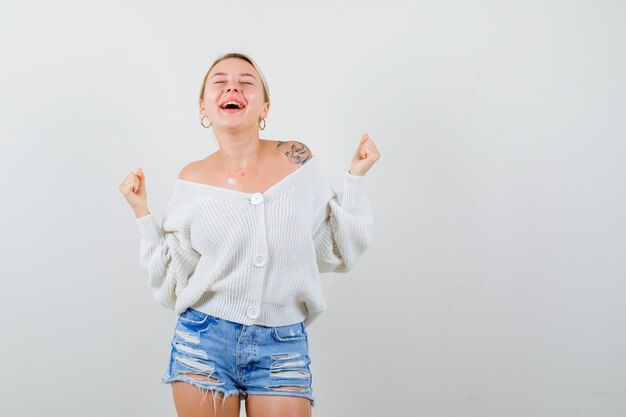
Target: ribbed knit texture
column 255, row 258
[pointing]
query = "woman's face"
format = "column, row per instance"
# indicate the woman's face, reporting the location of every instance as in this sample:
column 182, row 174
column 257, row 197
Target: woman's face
column 234, row 80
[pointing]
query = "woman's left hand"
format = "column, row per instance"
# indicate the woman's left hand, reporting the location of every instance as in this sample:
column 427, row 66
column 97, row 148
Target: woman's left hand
column 364, row 157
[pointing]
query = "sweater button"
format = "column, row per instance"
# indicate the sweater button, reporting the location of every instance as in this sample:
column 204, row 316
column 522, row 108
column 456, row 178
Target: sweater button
column 253, row 312
column 256, row 198
column 259, row 260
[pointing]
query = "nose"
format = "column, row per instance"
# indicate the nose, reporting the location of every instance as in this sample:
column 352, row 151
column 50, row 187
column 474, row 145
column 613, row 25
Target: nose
column 231, row 85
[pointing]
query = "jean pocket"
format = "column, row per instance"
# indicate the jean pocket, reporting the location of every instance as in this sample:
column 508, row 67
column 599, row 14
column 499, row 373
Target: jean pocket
column 191, row 317
column 289, row 333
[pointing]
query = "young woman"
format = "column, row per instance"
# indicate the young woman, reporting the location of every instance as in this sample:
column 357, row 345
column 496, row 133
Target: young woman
column 245, row 235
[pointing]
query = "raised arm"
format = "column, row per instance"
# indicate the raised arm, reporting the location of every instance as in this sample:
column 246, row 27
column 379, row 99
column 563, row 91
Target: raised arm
column 345, row 223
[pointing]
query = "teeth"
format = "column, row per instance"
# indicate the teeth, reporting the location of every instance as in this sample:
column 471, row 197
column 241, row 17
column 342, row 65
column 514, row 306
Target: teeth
column 232, row 102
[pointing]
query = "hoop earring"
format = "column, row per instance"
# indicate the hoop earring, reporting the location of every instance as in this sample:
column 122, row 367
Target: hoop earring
column 262, row 120
column 203, row 123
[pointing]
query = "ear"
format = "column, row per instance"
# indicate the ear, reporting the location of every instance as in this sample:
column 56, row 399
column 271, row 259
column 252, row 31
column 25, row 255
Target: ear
column 266, row 109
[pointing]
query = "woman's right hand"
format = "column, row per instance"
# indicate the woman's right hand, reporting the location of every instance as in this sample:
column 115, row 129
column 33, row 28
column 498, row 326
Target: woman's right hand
column 133, row 187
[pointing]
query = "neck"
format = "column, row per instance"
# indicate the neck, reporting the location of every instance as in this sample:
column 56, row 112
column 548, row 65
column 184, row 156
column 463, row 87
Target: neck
column 239, row 150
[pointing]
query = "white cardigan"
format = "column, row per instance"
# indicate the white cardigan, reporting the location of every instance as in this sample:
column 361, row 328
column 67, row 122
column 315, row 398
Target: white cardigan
column 255, row 258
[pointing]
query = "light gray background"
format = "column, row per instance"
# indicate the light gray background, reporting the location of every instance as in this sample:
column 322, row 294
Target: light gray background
column 495, row 284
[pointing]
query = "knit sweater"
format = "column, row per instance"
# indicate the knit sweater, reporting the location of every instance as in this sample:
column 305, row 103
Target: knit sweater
column 255, row 258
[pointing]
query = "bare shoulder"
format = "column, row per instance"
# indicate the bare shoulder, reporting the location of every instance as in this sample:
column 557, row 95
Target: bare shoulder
column 196, row 170
column 294, row 152
column 189, row 171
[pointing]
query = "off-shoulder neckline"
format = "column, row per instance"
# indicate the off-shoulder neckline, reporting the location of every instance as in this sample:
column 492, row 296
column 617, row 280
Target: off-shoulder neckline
column 277, row 188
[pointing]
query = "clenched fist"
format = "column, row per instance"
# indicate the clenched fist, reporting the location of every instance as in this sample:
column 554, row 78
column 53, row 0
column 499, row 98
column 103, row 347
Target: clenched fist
column 133, row 187
column 364, row 157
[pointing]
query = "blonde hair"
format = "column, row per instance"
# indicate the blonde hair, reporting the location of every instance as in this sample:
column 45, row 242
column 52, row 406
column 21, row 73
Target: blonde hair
column 246, row 58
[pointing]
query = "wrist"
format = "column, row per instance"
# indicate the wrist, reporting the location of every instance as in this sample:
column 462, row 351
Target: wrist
column 141, row 212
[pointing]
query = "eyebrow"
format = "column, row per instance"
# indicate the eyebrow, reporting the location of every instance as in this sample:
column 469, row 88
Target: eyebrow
column 243, row 74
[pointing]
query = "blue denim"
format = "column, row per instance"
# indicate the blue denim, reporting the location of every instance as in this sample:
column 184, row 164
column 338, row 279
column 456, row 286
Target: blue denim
column 236, row 359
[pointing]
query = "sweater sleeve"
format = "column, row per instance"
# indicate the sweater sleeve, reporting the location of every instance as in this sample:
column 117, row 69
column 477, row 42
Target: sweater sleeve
column 345, row 230
column 166, row 253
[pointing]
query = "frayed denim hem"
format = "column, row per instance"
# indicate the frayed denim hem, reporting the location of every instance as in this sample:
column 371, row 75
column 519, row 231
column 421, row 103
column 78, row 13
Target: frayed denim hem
column 215, row 390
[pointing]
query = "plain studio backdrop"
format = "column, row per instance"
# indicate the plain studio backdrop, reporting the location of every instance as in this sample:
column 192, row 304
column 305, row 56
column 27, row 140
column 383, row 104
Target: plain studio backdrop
column 495, row 285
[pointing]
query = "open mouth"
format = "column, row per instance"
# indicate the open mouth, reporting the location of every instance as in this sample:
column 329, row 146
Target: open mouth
column 232, row 106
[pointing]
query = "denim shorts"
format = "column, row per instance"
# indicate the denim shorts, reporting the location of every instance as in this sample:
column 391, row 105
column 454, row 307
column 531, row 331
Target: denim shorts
column 235, row 359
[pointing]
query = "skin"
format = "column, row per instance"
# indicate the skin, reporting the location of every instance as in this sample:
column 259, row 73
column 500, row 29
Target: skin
column 244, row 162
column 237, row 133
column 254, row 164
